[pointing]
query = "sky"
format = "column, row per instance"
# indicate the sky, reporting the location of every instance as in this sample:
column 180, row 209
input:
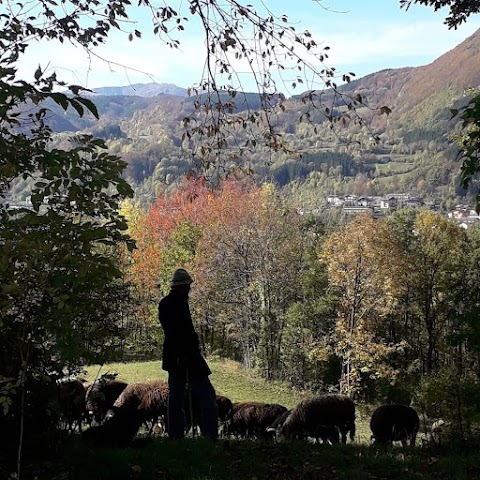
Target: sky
column 364, row 36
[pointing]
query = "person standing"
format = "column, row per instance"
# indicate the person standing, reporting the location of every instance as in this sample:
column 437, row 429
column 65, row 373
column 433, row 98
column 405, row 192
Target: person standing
column 185, row 365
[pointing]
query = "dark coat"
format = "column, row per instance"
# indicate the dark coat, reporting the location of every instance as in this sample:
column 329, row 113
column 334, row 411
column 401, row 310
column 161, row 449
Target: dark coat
column 181, row 349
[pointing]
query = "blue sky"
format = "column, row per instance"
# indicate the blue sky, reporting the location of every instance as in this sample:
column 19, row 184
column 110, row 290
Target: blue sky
column 364, row 36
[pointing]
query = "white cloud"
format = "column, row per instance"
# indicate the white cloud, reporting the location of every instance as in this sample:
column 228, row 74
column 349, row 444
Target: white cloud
column 394, row 45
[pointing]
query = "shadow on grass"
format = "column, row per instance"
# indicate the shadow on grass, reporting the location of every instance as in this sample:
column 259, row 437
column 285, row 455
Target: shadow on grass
column 200, row 459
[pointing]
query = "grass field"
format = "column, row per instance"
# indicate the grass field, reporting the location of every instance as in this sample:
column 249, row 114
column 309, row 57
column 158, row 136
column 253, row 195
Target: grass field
column 231, row 379
column 228, row 378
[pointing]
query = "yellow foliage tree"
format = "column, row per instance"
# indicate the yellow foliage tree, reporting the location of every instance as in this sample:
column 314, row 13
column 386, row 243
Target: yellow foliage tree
column 363, row 262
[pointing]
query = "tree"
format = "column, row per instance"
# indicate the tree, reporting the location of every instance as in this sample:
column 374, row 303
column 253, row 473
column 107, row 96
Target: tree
column 259, row 244
column 227, row 265
column 308, row 353
column 460, row 10
column 62, row 296
column 363, row 261
column 440, row 262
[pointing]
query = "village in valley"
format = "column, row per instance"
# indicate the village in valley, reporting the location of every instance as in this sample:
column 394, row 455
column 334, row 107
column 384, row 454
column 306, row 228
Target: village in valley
column 379, row 206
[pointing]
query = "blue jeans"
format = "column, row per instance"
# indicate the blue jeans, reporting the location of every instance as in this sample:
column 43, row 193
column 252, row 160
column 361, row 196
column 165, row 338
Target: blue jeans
column 203, row 398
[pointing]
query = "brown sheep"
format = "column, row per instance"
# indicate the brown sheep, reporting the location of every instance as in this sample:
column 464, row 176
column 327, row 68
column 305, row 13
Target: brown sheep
column 236, row 406
column 144, row 402
column 390, row 423
column 230, row 428
column 320, row 417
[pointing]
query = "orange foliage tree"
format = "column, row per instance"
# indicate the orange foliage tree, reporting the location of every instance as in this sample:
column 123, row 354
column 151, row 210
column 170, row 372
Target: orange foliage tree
column 242, row 246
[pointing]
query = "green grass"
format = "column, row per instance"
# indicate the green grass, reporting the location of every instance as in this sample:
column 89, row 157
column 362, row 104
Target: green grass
column 228, row 377
column 199, row 459
column 231, row 379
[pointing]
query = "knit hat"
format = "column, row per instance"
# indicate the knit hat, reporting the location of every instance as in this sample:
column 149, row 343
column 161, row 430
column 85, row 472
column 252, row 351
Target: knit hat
column 180, row 277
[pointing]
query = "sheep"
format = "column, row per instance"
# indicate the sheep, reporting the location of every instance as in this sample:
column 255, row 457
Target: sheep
column 101, row 396
column 118, row 431
column 144, row 402
column 391, row 423
column 225, row 408
column 320, row 417
column 277, row 424
column 328, row 434
column 253, row 419
column 236, row 406
column 437, row 431
column 225, row 412
column 234, row 425
column 71, row 401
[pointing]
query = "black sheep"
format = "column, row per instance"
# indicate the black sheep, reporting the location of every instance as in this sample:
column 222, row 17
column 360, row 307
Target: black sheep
column 277, row 424
column 225, row 412
column 118, row 431
column 390, row 423
column 225, row 408
column 320, row 417
column 328, row 434
column 253, row 419
column 101, row 396
column 71, row 401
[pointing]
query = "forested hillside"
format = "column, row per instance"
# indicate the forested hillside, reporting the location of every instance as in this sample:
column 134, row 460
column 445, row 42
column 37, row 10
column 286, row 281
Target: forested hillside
column 415, row 151
column 384, row 310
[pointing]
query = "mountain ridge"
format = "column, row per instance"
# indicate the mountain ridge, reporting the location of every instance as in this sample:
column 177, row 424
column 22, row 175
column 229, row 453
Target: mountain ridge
column 151, row 89
column 416, row 81
column 415, row 152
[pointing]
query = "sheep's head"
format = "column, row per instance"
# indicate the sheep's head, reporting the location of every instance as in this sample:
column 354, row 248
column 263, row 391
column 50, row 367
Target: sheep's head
column 110, row 415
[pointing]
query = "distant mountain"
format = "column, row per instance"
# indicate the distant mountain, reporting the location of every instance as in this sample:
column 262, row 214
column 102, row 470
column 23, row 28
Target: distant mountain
column 416, row 91
column 143, row 90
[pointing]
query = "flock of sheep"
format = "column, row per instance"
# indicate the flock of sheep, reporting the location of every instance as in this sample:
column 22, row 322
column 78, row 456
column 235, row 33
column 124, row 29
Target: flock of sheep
column 115, row 411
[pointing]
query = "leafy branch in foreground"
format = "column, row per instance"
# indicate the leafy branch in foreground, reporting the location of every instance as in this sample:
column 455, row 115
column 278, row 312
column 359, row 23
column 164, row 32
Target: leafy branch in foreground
column 278, row 57
column 460, row 10
column 241, row 41
column 469, row 140
column 62, row 296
